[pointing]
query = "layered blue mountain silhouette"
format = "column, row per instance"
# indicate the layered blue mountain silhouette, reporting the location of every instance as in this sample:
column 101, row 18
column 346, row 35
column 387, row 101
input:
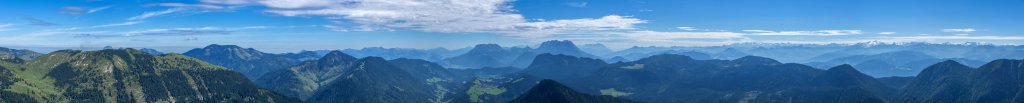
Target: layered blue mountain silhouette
column 556, row 71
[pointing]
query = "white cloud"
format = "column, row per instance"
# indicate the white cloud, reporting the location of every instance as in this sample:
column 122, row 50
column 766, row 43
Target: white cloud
column 806, row 33
column 200, row 6
column 447, row 16
column 97, row 9
column 6, row 27
column 119, row 24
column 964, row 30
column 886, row 33
column 577, row 4
column 686, row 28
column 155, row 13
column 540, row 29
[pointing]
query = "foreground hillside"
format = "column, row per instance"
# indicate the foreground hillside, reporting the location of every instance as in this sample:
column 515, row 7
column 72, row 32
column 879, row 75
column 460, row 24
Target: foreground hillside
column 999, row 81
column 125, row 75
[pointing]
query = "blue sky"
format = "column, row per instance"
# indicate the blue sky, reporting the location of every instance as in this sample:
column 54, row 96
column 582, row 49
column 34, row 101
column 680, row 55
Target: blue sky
column 292, row 25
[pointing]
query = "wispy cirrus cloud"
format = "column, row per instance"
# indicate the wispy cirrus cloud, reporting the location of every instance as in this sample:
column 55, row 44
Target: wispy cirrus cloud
column 886, row 33
column 60, row 33
column 655, row 35
column 72, row 10
column 180, row 8
column 576, row 4
column 179, row 31
column 806, row 33
column 96, row 26
column 197, row 6
column 191, row 31
column 6, row 27
column 155, row 13
column 37, row 22
column 97, row 9
column 446, row 16
column 230, row 2
column 119, row 24
column 962, row 30
column 144, row 32
column 80, row 10
column 686, row 28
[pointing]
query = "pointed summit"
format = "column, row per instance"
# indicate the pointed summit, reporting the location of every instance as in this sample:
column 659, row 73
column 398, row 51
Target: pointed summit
column 336, row 57
column 549, row 91
column 373, row 80
column 944, row 68
column 338, row 54
column 847, row 76
column 845, row 68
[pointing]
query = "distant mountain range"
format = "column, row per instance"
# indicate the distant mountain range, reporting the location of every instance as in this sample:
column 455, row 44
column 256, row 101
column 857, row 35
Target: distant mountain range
column 433, row 55
column 340, row 77
column 596, row 49
column 556, row 71
column 487, row 55
column 7, row 53
column 151, row 51
column 250, row 62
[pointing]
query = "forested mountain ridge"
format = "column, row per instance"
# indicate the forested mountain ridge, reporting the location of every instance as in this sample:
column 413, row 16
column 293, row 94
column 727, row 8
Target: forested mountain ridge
column 129, row 75
column 250, row 62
